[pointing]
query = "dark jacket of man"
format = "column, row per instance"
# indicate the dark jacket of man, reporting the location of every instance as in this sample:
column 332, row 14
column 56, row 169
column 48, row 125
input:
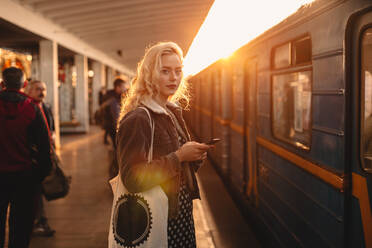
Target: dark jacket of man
column 49, row 116
column 134, row 139
column 24, row 139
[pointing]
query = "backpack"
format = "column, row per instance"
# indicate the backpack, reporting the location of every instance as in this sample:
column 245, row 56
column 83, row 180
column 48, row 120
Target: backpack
column 103, row 115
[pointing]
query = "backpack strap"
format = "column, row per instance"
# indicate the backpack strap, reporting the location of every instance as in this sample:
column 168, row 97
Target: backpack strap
column 152, row 126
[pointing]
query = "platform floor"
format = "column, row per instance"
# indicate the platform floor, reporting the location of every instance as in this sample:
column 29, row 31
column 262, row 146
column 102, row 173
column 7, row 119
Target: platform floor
column 81, row 220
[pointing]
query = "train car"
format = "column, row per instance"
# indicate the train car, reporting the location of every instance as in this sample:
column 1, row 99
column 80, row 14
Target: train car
column 293, row 108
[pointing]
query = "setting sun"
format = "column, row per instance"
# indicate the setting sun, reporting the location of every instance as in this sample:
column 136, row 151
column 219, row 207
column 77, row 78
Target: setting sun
column 231, row 24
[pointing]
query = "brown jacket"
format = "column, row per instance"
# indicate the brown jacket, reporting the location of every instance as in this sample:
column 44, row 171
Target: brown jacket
column 133, row 140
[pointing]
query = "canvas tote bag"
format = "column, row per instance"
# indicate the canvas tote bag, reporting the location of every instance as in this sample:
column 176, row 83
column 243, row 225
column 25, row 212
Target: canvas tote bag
column 139, row 219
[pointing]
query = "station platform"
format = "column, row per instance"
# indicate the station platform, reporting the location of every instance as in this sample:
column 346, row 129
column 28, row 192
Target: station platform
column 81, row 219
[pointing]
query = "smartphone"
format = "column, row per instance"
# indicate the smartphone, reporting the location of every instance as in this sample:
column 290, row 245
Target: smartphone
column 213, row 141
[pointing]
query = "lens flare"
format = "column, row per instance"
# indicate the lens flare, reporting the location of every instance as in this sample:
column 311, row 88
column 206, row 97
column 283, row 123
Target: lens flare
column 232, row 23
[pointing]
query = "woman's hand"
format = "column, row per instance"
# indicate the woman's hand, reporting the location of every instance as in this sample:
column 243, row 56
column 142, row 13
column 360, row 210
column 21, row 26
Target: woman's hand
column 192, row 151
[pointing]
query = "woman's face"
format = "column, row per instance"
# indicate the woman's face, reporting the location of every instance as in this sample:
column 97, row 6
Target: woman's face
column 170, row 74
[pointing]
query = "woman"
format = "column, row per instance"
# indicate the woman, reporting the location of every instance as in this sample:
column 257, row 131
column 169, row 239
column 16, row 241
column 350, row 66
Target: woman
column 157, row 86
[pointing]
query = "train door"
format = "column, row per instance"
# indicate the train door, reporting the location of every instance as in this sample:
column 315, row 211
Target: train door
column 250, row 126
column 236, row 130
column 360, row 126
column 212, row 102
column 217, row 115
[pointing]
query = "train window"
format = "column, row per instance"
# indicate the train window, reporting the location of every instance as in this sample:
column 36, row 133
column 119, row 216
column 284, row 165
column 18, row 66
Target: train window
column 292, row 53
column 282, row 56
column 302, row 51
column 291, row 107
column 366, row 77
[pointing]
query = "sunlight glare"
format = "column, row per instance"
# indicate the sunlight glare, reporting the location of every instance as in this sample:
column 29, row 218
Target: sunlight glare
column 232, row 23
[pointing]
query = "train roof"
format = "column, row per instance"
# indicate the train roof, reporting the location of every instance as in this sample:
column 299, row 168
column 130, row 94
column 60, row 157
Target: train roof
column 304, row 14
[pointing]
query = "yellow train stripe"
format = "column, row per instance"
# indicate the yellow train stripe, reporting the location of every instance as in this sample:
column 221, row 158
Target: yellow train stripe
column 360, row 191
column 204, row 111
column 223, row 122
column 327, row 176
column 237, row 128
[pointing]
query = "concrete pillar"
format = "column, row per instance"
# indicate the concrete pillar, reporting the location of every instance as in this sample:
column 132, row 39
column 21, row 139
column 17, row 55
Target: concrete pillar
column 99, row 80
column 49, row 75
column 110, row 78
column 81, row 101
column 35, row 67
column 66, row 93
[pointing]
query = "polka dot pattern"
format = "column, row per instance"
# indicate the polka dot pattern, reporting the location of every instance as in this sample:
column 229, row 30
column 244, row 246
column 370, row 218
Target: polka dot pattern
column 181, row 230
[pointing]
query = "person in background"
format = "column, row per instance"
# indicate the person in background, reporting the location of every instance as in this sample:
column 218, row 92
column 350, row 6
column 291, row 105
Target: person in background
column 110, row 110
column 111, row 102
column 37, row 91
column 25, row 158
column 159, row 87
column 101, row 94
column 101, row 97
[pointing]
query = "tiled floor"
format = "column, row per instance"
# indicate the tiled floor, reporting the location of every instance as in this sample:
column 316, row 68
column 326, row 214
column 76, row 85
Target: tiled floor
column 82, row 218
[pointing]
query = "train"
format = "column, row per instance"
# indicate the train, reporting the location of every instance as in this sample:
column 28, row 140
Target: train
column 293, row 110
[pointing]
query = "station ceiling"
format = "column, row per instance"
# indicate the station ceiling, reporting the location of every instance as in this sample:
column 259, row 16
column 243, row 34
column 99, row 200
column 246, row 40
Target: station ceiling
column 122, row 28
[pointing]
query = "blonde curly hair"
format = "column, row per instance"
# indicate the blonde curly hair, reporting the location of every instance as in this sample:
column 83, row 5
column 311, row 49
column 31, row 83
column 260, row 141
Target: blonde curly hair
column 145, row 83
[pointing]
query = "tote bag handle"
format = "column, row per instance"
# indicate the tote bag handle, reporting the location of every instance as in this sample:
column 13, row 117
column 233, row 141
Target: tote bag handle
column 152, row 126
column 153, row 203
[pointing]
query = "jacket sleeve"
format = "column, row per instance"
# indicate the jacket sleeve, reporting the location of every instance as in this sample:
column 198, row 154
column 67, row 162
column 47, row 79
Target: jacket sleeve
column 114, row 110
column 40, row 145
column 50, row 118
column 134, row 138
